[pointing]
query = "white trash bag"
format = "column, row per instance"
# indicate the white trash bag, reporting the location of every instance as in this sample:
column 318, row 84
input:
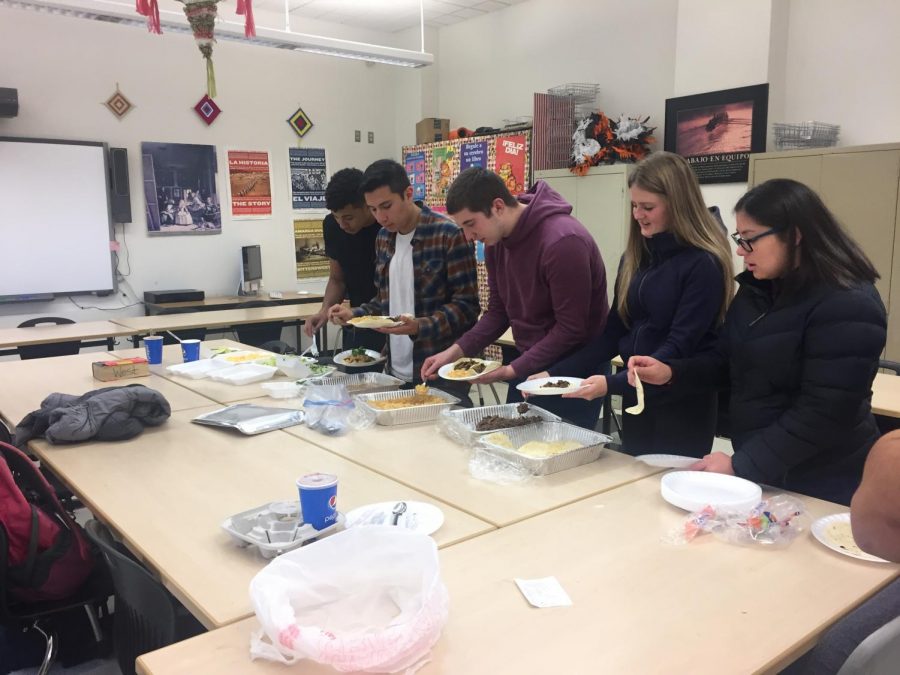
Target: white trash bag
column 366, row 599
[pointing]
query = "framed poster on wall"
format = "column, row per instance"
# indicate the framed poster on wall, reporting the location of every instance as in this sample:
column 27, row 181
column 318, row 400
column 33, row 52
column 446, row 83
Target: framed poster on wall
column 716, row 131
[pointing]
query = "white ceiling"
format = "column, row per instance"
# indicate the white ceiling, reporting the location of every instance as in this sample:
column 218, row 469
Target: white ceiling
column 387, row 16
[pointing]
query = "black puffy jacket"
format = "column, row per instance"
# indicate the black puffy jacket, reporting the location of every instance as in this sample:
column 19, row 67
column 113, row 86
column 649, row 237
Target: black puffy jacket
column 800, row 367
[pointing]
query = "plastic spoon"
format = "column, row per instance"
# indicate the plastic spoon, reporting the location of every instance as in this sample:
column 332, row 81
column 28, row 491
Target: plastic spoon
column 399, row 510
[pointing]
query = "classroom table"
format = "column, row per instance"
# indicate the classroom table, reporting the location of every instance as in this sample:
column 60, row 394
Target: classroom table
column 226, row 301
column 27, row 383
column 166, row 493
column 160, row 323
column 104, row 331
column 886, row 395
column 640, row 603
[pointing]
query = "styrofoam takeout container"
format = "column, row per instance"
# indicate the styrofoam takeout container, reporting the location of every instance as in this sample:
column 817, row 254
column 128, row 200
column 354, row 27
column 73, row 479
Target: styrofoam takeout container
column 245, row 373
column 282, row 389
column 197, row 370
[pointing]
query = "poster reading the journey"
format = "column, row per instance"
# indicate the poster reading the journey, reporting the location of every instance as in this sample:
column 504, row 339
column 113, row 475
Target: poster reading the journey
column 415, row 169
column 473, row 154
column 510, row 162
column 308, row 178
column 442, row 173
column 248, row 179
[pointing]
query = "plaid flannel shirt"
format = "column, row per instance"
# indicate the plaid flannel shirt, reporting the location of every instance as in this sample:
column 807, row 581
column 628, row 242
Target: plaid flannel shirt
column 445, row 279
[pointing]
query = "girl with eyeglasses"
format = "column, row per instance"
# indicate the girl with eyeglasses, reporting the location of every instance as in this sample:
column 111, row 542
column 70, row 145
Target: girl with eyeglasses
column 672, row 289
column 799, row 349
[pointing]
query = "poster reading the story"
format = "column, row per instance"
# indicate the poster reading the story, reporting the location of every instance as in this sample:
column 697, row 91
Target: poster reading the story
column 510, row 162
column 308, row 178
column 473, row 154
column 415, row 168
column 442, row 173
column 248, row 180
column 180, row 189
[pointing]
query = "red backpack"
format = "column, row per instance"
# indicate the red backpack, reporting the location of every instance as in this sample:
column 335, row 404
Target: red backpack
column 48, row 556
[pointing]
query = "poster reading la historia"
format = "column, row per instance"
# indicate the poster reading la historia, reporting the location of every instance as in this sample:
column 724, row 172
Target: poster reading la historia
column 415, row 169
column 308, row 178
column 251, row 188
column 510, row 162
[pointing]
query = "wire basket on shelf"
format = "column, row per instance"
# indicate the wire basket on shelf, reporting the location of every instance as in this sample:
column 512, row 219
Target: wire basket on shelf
column 799, row 135
column 583, row 95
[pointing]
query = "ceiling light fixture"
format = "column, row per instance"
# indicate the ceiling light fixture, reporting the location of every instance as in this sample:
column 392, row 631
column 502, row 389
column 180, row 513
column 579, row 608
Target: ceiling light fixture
column 124, row 14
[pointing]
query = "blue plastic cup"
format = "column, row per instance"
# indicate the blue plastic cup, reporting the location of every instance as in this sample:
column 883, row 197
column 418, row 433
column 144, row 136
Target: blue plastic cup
column 153, row 345
column 190, row 350
column 318, row 499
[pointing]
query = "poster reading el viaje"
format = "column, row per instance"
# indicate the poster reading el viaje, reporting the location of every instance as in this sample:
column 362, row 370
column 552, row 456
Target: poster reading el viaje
column 473, row 154
column 251, row 188
column 510, row 162
column 442, row 173
column 308, row 178
column 415, row 169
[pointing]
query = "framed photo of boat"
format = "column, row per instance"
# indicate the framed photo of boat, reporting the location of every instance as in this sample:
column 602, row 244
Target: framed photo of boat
column 716, row 132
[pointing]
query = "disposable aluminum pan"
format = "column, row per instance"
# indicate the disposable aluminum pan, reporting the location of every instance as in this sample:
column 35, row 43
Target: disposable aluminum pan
column 592, row 446
column 459, row 425
column 419, row 413
column 366, row 383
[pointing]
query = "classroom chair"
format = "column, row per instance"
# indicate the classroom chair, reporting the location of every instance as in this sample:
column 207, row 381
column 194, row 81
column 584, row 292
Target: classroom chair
column 52, row 349
column 257, row 334
column 878, row 654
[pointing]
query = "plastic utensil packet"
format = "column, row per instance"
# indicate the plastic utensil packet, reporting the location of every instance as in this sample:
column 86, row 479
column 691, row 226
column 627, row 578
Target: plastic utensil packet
column 774, row 522
column 330, row 410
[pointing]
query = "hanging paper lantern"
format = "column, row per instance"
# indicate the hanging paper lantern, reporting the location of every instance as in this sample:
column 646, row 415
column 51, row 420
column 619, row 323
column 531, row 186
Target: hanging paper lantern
column 201, row 15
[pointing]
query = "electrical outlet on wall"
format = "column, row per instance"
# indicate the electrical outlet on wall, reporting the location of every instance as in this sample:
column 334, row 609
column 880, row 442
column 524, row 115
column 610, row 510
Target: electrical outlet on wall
column 371, row 137
column 357, row 135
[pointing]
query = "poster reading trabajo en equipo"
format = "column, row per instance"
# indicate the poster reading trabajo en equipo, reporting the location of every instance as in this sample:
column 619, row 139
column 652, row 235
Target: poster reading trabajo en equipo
column 510, row 161
column 308, row 178
column 248, row 179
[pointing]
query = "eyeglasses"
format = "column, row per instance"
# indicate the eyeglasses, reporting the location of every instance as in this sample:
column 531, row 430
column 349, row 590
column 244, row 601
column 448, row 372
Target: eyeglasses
column 747, row 244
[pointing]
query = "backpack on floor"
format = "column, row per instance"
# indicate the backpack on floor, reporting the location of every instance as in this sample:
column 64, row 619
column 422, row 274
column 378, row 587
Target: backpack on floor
column 48, row 555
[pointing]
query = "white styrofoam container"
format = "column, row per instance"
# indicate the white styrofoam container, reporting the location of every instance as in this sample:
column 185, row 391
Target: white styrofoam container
column 197, row 370
column 282, row 389
column 592, row 446
column 245, row 373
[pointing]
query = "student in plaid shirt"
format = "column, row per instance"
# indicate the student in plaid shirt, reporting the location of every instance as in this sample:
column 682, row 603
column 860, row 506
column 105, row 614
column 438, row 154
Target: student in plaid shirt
column 424, row 272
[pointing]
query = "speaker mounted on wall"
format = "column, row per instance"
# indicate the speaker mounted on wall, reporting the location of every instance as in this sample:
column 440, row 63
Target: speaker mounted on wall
column 9, row 102
column 119, row 191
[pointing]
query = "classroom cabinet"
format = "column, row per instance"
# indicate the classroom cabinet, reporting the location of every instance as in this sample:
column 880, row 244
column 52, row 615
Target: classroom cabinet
column 600, row 201
column 861, row 186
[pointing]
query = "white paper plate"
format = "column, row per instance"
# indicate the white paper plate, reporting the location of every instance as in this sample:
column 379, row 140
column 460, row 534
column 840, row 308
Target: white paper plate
column 668, row 461
column 341, row 359
column 418, row 517
column 820, row 532
column 693, row 490
column 444, row 371
column 536, row 387
column 374, row 322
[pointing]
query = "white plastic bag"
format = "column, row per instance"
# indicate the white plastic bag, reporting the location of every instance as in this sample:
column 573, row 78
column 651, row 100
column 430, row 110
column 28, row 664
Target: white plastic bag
column 366, row 599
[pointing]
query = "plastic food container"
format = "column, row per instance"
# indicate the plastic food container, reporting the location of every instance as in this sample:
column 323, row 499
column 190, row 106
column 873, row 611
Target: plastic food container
column 592, row 446
column 196, row 370
column 293, row 366
column 419, row 413
column 245, row 373
column 282, row 389
column 459, row 425
column 275, row 528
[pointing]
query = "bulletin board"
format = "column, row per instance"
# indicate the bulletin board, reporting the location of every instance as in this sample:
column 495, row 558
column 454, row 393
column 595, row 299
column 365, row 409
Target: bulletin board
column 432, row 167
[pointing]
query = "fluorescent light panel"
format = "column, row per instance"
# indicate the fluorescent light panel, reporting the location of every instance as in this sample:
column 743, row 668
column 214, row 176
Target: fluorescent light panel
column 124, row 14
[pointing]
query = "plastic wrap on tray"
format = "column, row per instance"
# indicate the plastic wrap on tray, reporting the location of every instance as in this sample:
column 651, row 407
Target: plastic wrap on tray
column 408, row 415
column 590, row 446
column 275, row 528
column 460, row 425
column 366, row 383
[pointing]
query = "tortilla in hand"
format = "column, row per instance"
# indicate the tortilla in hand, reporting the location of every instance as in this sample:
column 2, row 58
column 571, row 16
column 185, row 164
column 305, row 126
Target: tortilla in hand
column 639, row 408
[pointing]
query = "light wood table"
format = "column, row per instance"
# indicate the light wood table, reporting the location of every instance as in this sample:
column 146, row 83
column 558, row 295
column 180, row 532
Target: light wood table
column 27, row 383
column 420, row 456
column 217, row 319
column 221, row 392
column 640, row 605
column 886, row 395
column 65, row 332
column 167, row 491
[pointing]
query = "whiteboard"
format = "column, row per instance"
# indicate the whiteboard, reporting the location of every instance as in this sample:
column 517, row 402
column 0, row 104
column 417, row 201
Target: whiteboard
column 54, row 218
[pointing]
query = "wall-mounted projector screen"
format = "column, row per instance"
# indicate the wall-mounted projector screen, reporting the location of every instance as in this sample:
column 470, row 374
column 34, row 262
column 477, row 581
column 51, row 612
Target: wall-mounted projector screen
column 54, row 218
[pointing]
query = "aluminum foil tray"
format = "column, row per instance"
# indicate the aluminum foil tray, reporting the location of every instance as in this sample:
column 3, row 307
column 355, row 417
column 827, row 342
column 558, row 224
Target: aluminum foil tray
column 275, row 528
column 365, row 383
column 459, row 425
column 592, row 446
column 419, row 413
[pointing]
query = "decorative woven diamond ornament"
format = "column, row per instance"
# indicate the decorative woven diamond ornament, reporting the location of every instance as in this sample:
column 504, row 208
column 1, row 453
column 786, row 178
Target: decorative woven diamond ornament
column 300, row 122
column 207, row 109
column 118, row 105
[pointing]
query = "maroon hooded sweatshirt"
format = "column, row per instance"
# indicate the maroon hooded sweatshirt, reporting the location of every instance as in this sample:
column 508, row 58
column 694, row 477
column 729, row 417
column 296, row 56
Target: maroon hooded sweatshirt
column 547, row 282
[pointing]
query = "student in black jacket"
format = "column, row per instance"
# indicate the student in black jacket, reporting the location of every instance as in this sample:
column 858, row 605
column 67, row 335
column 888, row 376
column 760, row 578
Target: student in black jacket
column 799, row 349
column 672, row 290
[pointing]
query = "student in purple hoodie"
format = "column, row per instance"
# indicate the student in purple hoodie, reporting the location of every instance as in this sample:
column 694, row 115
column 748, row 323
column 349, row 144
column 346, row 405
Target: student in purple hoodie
column 547, row 282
